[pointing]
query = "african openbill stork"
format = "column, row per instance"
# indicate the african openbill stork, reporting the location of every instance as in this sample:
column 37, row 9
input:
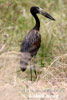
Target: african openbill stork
column 32, row 40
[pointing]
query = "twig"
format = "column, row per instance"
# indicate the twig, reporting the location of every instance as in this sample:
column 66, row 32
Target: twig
column 2, row 48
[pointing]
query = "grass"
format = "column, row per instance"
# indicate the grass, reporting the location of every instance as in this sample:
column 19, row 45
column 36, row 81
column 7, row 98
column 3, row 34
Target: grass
column 16, row 21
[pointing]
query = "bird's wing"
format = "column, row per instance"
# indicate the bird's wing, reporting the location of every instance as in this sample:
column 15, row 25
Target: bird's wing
column 31, row 41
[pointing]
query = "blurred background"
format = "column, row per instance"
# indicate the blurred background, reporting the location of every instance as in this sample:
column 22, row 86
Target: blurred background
column 16, row 21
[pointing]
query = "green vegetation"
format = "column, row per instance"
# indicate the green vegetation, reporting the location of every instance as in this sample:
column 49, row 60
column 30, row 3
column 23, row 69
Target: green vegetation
column 16, row 21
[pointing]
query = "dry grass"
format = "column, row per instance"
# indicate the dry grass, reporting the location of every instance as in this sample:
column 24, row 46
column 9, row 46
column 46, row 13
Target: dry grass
column 50, row 84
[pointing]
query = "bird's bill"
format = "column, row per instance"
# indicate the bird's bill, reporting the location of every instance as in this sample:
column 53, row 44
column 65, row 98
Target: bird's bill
column 46, row 14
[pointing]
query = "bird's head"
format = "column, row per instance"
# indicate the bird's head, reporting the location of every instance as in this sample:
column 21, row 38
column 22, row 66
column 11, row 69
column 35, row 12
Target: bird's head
column 36, row 10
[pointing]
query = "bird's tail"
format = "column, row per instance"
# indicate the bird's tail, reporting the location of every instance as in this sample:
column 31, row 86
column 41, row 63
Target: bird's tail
column 25, row 58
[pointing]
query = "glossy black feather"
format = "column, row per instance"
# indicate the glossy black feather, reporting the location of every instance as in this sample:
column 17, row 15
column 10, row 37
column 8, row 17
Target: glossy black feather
column 31, row 42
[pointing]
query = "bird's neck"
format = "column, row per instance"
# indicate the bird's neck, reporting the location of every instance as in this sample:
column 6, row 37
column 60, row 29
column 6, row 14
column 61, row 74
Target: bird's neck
column 37, row 25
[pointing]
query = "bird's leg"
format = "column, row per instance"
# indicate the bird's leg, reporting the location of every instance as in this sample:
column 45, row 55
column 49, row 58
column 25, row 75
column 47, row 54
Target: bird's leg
column 34, row 67
column 35, row 71
column 31, row 73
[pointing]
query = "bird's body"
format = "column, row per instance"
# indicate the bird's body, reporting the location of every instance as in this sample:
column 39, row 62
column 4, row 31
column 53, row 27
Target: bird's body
column 32, row 40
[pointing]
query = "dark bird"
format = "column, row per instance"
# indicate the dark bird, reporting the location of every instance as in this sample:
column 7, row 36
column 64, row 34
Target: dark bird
column 32, row 40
